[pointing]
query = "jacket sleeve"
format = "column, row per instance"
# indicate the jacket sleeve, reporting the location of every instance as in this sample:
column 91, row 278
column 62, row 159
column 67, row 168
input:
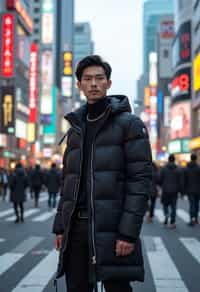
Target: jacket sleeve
column 57, row 225
column 138, row 173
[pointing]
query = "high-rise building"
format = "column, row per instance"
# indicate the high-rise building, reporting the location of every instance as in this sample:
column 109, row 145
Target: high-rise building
column 152, row 12
column 83, row 46
column 36, row 17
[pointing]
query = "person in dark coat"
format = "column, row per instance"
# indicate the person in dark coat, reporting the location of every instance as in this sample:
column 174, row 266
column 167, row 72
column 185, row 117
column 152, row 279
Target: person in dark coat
column 18, row 183
column 107, row 172
column 53, row 182
column 153, row 193
column 37, row 180
column 170, row 181
column 192, row 188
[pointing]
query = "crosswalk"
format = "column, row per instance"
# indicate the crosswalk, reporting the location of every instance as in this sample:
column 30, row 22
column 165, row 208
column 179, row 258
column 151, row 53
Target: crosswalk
column 163, row 267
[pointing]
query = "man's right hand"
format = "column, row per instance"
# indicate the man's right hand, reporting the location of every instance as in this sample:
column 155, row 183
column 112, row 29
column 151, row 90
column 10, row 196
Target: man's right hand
column 58, row 241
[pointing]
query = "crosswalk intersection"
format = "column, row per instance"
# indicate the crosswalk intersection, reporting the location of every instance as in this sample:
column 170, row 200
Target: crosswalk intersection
column 33, row 255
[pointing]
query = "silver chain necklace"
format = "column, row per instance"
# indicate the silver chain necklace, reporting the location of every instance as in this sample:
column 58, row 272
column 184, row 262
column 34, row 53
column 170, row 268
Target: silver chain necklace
column 96, row 119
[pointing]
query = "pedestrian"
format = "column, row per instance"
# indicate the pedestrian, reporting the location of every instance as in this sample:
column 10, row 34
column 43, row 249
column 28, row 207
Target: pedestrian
column 170, row 181
column 192, row 188
column 37, row 181
column 18, row 182
column 153, row 193
column 107, row 170
column 53, row 181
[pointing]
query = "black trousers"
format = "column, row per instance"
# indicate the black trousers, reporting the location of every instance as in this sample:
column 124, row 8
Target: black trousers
column 77, row 263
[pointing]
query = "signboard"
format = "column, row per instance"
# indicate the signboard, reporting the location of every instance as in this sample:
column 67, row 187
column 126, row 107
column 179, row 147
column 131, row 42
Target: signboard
column 7, row 110
column 181, row 84
column 179, row 146
column 167, row 29
column 67, row 64
column 196, row 73
column 7, row 46
column 18, row 6
column 33, row 83
column 181, row 51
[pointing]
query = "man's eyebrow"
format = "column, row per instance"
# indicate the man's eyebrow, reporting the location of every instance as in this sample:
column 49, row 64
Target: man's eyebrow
column 96, row 75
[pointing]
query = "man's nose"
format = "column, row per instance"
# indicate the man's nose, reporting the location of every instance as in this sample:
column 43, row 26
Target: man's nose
column 93, row 82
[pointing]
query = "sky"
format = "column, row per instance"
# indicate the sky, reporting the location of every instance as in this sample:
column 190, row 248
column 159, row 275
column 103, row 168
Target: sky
column 117, row 34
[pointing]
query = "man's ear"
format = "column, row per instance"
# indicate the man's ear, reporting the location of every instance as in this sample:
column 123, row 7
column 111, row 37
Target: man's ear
column 78, row 85
column 109, row 84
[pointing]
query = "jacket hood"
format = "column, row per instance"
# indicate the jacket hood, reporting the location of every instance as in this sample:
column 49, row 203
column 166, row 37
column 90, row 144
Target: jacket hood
column 171, row 165
column 192, row 164
column 19, row 171
column 117, row 104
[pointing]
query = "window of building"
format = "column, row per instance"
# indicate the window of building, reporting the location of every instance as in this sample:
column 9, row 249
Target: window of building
column 36, row 20
column 36, row 9
column 36, row 30
column 165, row 53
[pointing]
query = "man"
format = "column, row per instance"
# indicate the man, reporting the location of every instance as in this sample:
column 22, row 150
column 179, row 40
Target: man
column 37, row 180
column 107, row 171
column 170, row 180
column 53, row 185
column 192, row 188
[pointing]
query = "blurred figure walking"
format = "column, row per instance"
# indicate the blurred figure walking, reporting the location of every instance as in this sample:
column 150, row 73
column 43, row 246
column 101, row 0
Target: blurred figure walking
column 53, row 182
column 37, row 180
column 153, row 194
column 3, row 183
column 170, row 181
column 192, row 188
column 18, row 182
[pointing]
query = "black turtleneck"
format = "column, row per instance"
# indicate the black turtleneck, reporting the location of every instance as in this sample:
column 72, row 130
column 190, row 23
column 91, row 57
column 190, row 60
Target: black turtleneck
column 95, row 112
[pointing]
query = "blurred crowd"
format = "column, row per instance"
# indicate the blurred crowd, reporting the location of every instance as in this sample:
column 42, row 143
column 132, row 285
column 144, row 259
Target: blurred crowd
column 20, row 182
column 170, row 183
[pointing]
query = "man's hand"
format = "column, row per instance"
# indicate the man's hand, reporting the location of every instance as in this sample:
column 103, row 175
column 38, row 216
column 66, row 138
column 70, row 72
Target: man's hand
column 58, row 242
column 124, row 248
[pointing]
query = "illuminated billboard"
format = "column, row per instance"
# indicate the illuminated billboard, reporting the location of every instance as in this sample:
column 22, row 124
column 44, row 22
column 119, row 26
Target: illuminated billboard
column 7, row 110
column 7, row 45
column 33, row 85
column 167, row 29
column 47, row 22
column 181, row 84
column 180, row 126
column 181, row 51
column 196, row 73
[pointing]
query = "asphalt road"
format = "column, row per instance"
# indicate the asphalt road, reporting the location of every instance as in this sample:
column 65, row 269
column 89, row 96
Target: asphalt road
column 28, row 259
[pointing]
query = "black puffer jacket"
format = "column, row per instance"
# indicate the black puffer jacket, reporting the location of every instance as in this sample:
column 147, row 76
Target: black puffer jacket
column 121, row 172
column 192, row 179
column 170, row 180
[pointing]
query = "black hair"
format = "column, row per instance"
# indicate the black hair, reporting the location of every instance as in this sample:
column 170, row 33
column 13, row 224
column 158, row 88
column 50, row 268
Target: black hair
column 53, row 165
column 171, row 158
column 92, row 60
column 193, row 157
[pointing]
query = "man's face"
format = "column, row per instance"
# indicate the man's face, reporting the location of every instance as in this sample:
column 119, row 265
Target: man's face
column 94, row 83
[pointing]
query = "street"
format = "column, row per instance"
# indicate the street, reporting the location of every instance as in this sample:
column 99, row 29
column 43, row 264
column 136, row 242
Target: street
column 28, row 259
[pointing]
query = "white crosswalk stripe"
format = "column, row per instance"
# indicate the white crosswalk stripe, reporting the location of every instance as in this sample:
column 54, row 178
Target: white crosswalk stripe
column 183, row 215
column 6, row 213
column 193, row 247
column 8, row 259
column 27, row 214
column 45, row 216
column 166, row 279
column 2, row 240
column 159, row 215
column 38, row 278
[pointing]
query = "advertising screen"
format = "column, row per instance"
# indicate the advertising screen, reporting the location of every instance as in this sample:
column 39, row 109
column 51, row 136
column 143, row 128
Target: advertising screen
column 196, row 73
column 7, row 110
column 181, row 84
column 181, row 51
column 180, row 126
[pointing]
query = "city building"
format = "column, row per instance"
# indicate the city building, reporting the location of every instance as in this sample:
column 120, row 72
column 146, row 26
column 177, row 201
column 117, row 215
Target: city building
column 15, row 34
column 195, row 142
column 36, row 17
column 83, row 46
column 152, row 12
column 180, row 110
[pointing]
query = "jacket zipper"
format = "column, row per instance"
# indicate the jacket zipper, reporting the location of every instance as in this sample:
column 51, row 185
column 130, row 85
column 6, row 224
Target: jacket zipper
column 92, row 207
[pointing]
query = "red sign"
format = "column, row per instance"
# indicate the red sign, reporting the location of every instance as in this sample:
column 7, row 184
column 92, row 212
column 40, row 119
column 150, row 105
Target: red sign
column 7, row 53
column 33, row 83
column 22, row 143
column 181, row 84
column 16, row 4
column 167, row 29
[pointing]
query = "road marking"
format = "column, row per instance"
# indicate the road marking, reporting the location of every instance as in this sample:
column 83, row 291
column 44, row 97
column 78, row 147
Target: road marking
column 193, row 247
column 160, row 216
column 5, row 213
column 183, row 215
column 26, row 214
column 165, row 274
column 8, row 259
column 45, row 216
column 43, row 199
column 2, row 240
column 38, row 278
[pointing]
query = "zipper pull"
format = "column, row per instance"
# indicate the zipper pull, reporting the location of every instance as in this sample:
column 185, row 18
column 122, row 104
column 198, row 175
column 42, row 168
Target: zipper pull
column 94, row 260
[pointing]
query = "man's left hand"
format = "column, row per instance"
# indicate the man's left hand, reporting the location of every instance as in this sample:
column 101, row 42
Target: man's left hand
column 124, row 248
